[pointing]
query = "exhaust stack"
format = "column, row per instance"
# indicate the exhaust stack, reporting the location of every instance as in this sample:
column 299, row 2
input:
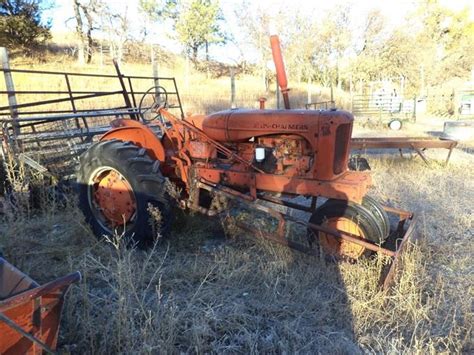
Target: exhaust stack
column 280, row 69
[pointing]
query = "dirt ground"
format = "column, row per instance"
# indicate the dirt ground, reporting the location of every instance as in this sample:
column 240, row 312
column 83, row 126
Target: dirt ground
column 212, row 288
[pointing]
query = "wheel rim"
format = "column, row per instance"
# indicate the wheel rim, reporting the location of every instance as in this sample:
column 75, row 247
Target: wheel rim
column 111, row 199
column 342, row 248
column 395, row 125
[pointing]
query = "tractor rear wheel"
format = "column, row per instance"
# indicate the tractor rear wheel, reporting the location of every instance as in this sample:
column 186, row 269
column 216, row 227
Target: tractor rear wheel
column 358, row 220
column 122, row 192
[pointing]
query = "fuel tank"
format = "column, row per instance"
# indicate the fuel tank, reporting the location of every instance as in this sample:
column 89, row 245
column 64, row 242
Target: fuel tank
column 238, row 125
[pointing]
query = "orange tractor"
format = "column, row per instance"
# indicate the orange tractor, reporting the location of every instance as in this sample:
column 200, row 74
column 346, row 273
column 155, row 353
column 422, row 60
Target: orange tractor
column 259, row 157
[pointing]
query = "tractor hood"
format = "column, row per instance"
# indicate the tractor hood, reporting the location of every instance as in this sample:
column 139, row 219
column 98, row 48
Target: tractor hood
column 238, row 125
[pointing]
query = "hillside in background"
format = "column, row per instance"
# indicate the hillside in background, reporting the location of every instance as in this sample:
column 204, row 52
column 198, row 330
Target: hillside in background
column 205, row 86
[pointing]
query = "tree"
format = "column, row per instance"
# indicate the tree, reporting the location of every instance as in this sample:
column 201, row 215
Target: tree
column 196, row 21
column 84, row 12
column 197, row 25
column 368, row 65
column 334, row 40
column 116, row 26
column 299, row 43
column 447, row 38
column 313, row 50
column 21, row 25
column 255, row 23
column 432, row 47
column 156, row 10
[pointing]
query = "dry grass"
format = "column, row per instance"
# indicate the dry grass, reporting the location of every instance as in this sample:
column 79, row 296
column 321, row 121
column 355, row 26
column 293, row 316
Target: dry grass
column 209, row 289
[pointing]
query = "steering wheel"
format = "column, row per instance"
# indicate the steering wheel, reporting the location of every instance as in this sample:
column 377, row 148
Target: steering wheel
column 154, row 98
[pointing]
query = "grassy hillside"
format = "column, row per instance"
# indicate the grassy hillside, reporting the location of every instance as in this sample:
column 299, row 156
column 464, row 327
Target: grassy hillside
column 202, row 91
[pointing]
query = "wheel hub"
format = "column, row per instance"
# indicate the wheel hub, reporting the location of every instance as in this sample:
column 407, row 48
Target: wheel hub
column 114, row 197
column 342, row 248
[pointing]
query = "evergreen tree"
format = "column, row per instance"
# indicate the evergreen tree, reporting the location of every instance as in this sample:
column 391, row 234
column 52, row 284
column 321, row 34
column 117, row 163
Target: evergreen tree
column 196, row 21
column 21, row 25
column 197, row 25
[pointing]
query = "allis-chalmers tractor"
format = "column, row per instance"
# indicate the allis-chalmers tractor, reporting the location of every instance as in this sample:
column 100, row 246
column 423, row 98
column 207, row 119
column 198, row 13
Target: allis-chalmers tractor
column 259, row 157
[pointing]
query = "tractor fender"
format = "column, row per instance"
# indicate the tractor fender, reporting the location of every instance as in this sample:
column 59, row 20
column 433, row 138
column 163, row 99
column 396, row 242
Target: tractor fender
column 133, row 131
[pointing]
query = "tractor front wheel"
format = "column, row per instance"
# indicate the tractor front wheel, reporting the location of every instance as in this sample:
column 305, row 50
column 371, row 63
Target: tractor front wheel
column 122, row 192
column 365, row 221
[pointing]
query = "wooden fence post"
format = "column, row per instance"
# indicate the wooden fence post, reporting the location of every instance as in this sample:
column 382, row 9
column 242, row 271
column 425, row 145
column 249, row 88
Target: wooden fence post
column 308, row 87
column 154, row 65
column 10, row 88
column 232, row 88
column 333, row 103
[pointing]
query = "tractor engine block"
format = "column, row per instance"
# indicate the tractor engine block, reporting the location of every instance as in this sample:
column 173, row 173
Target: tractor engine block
column 287, row 155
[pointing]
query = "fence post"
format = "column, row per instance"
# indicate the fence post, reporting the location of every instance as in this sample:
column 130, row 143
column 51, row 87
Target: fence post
column 10, row 88
column 333, row 104
column 232, row 88
column 154, row 65
column 414, row 109
column 351, row 90
column 277, row 91
column 186, row 73
column 309, row 90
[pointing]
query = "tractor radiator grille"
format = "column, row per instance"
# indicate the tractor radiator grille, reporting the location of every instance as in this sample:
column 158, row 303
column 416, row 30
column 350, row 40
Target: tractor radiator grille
column 343, row 135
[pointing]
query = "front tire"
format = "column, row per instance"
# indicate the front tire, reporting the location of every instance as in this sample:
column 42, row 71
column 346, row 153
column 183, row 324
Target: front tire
column 122, row 192
column 363, row 221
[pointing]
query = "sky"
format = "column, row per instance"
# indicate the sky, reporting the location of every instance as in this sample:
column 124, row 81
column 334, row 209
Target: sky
column 394, row 11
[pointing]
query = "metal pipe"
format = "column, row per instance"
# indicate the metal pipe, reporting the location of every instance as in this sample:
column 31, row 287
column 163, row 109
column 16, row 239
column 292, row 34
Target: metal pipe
column 352, row 239
column 124, row 89
column 98, row 113
column 285, row 203
column 29, row 71
column 64, row 99
column 280, row 69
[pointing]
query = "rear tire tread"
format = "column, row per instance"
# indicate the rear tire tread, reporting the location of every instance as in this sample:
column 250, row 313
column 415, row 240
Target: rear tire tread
column 144, row 176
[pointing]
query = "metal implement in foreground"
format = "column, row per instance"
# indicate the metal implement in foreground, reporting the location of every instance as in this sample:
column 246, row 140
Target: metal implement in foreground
column 29, row 313
column 257, row 157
